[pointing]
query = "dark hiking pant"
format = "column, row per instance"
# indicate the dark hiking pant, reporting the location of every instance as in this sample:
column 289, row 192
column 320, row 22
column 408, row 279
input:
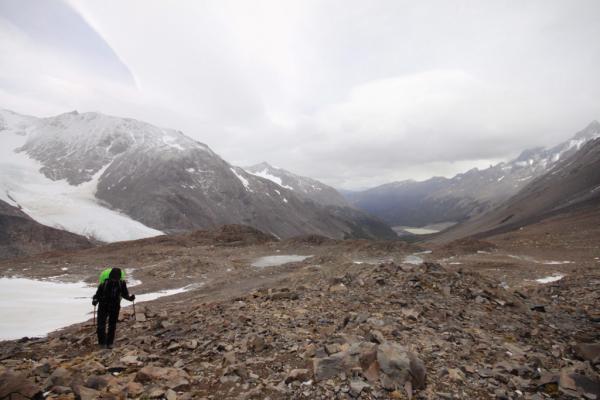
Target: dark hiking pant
column 110, row 313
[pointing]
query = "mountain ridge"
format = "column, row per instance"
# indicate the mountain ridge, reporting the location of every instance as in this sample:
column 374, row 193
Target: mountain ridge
column 149, row 180
column 467, row 194
column 305, row 187
column 570, row 185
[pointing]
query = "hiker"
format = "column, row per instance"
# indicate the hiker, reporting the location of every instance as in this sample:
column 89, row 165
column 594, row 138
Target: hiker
column 110, row 290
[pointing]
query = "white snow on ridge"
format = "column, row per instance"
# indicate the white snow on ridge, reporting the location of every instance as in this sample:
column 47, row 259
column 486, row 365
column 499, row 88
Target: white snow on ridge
column 265, row 174
column 171, row 142
column 242, row 179
column 57, row 203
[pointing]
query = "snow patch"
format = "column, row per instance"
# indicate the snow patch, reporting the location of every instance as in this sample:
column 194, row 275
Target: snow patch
column 129, row 277
column 265, row 174
column 550, row 279
column 557, row 262
column 35, row 308
column 412, row 259
column 171, row 142
column 163, row 293
column 242, row 179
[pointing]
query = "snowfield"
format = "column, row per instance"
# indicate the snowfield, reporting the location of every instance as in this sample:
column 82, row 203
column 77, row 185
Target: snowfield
column 266, row 175
column 57, row 203
column 35, row 308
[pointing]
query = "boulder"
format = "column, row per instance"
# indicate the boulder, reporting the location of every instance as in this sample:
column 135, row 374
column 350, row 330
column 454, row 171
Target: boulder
column 85, row 393
column 588, row 352
column 59, row 377
column 96, row 382
column 172, row 377
column 18, row 387
column 400, row 365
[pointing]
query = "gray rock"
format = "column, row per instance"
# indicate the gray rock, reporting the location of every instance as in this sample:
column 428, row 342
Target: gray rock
column 298, row 375
column 19, row 386
column 357, row 386
column 400, row 365
column 588, row 352
column 59, row 377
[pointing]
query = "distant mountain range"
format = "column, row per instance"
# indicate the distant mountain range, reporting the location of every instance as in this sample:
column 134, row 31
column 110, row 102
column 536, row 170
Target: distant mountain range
column 467, row 195
column 570, row 186
column 114, row 179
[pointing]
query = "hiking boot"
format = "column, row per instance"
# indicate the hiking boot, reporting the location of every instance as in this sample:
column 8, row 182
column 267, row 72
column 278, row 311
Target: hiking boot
column 109, row 346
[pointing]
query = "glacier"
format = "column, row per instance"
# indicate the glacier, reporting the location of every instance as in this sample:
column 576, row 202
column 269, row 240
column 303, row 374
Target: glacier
column 58, row 204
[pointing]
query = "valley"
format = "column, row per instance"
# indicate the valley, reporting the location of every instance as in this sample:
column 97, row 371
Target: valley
column 299, row 200
column 472, row 312
column 311, row 298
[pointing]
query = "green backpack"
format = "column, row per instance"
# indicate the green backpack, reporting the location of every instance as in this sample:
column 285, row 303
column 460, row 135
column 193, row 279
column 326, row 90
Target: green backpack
column 104, row 275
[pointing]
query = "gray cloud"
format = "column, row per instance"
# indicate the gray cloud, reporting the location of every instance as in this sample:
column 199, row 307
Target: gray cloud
column 353, row 93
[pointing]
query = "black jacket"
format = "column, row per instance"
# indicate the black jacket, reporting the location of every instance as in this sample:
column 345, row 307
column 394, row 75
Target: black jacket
column 124, row 292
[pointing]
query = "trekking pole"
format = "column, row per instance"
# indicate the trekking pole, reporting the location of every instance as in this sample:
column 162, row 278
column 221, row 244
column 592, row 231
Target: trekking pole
column 134, row 310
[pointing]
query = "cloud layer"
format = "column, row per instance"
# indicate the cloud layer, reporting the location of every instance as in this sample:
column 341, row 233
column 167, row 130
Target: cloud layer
column 353, row 93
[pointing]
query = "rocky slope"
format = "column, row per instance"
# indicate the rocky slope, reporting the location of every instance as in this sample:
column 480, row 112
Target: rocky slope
column 303, row 186
column 466, row 195
column 153, row 180
column 359, row 319
column 22, row 236
column 572, row 185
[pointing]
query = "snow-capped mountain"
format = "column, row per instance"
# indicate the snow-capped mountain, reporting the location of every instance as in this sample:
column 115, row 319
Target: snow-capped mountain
column 117, row 178
column 468, row 194
column 304, row 187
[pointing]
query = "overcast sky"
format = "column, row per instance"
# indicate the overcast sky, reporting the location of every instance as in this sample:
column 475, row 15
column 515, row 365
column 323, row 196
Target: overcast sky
column 353, row 93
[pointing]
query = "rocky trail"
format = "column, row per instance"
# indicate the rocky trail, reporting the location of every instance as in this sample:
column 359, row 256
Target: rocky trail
column 332, row 327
